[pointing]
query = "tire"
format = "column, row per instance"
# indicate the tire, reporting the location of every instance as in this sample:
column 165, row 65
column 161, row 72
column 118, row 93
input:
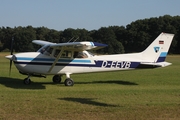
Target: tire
column 69, row 82
column 27, row 81
column 56, row 79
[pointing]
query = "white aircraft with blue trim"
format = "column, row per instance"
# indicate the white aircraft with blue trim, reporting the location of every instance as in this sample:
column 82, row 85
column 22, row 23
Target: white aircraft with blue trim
column 73, row 57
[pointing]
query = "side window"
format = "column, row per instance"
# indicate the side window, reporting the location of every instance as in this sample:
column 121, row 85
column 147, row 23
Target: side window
column 80, row 55
column 56, row 53
column 66, row 54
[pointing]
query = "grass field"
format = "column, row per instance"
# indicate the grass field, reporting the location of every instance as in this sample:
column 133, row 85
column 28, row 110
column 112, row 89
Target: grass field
column 126, row 95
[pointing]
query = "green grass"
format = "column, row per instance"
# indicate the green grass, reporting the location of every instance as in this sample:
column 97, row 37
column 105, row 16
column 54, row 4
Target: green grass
column 139, row 94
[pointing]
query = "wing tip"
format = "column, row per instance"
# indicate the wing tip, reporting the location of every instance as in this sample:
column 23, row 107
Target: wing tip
column 99, row 44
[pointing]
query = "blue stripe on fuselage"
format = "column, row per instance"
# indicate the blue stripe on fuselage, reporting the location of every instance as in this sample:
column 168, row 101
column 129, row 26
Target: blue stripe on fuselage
column 98, row 63
column 51, row 60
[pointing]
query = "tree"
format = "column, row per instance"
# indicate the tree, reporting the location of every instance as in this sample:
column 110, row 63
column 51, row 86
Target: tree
column 5, row 37
column 107, row 36
column 135, row 37
column 23, row 37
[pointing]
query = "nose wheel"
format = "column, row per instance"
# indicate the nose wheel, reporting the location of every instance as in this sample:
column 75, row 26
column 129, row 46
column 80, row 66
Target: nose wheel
column 68, row 82
column 27, row 81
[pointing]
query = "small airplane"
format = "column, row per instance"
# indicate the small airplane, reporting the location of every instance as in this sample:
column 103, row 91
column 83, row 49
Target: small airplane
column 73, row 57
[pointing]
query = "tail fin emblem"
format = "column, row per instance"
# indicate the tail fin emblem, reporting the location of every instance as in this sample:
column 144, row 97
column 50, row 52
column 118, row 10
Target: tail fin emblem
column 156, row 49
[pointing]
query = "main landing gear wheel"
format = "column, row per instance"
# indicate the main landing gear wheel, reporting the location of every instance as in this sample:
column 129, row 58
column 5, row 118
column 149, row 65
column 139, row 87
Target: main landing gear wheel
column 56, row 79
column 69, row 82
column 27, row 81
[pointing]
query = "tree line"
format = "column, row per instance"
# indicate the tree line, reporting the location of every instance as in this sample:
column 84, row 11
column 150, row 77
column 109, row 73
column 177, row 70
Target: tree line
column 133, row 37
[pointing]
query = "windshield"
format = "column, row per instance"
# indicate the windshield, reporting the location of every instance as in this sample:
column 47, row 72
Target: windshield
column 44, row 49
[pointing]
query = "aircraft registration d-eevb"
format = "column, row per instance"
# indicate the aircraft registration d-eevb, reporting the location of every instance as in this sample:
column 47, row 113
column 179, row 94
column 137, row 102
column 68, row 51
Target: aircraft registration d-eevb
column 73, row 57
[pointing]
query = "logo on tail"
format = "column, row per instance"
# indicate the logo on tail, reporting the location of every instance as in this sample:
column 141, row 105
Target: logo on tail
column 156, row 49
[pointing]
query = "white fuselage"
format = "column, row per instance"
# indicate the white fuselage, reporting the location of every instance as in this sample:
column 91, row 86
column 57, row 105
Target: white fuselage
column 37, row 63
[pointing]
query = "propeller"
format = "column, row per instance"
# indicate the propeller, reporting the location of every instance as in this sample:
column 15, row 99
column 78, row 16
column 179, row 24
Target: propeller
column 12, row 42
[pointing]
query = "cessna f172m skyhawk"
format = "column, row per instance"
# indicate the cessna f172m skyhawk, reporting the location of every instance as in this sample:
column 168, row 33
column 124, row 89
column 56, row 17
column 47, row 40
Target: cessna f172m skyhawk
column 68, row 58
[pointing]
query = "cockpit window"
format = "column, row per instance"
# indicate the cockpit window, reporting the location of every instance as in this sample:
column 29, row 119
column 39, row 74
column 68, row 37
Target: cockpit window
column 45, row 49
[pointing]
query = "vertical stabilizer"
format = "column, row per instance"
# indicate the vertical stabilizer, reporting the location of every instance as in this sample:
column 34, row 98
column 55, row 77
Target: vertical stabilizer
column 158, row 49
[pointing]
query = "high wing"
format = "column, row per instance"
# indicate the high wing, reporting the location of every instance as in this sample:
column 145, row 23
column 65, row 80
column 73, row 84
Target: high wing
column 78, row 46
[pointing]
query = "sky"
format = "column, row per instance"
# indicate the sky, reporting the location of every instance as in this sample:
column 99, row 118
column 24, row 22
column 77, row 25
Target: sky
column 87, row 14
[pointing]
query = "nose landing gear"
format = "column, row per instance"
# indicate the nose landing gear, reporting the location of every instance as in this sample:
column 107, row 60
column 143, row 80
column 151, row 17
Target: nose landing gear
column 27, row 80
column 68, row 82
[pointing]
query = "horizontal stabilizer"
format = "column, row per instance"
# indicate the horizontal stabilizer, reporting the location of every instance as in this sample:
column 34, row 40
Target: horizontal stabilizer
column 154, row 65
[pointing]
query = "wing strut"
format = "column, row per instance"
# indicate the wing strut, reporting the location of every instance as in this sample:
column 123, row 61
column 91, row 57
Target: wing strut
column 56, row 60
